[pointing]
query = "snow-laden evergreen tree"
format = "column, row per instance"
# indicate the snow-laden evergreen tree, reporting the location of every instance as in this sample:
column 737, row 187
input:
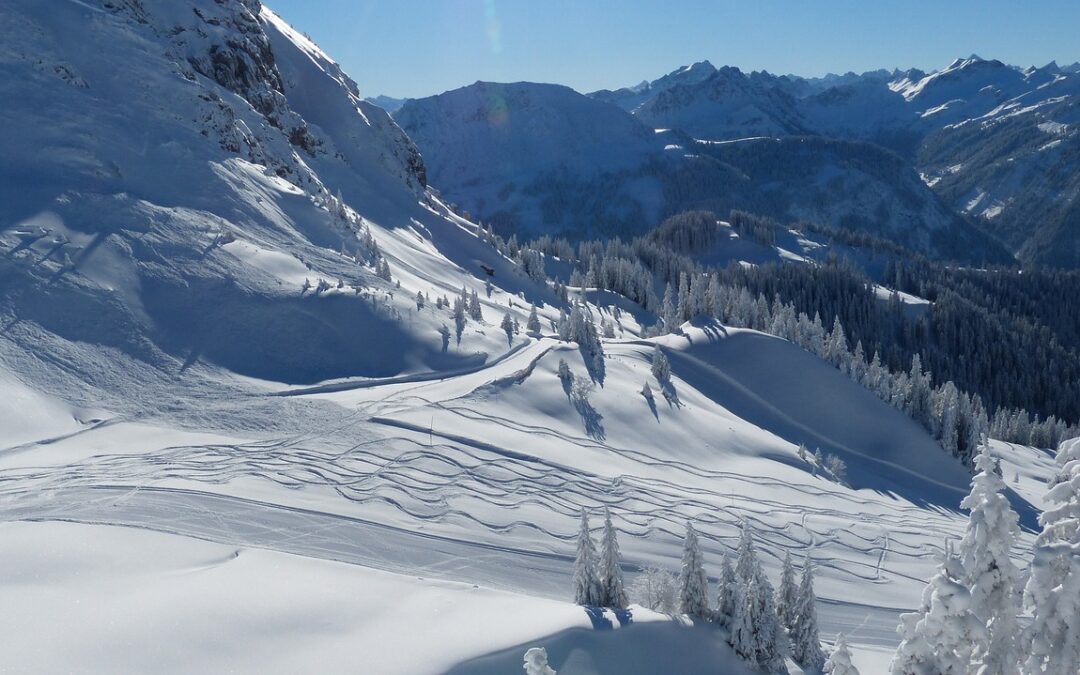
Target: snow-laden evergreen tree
column 990, row 574
column 836, row 346
column 1053, row 590
column 508, row 327
column 940, row 636
column 725, row 600
column 805, row 643
column 693, row 585
column 476, row 312
column 787, row 593
column 661, row 367
column 611, row 577
column 459, row 318
column 756, row 633
column 670, row 310
column 587, row 589
column 839, row 662
column 536, row 662
column 646, row 391
column 532, row 324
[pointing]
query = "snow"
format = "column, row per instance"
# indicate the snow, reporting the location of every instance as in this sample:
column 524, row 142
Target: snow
column 205, row 468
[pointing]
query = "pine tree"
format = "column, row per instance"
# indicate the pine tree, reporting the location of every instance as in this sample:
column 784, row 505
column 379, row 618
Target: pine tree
column 611, row 578
column 839, row 662
column 805, row 643
column 787, row 594
column 725, row 601
column 587, row 589
column 756, row 632
column 990, row 573
column 533, row 323
column 661, row 368
column 693, row 585
column 508, row 327
column 459, row 318
column 938, row 638
column 1053, row 590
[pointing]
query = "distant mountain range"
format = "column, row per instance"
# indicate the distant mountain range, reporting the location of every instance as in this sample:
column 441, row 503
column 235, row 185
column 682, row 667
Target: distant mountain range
column 931, row 160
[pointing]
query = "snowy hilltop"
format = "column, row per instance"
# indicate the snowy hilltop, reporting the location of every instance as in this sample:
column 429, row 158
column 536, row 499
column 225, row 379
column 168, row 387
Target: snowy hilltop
column 269, row 403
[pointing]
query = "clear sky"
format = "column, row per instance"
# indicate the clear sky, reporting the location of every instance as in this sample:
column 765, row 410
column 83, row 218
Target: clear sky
column 421, row 47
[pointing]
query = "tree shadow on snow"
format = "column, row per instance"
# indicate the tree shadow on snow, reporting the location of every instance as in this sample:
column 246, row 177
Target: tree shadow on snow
column 639, row 647
column 590, row 417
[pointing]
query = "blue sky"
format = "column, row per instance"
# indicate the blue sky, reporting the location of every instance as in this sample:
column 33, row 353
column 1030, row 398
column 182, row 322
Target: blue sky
column 422, row 47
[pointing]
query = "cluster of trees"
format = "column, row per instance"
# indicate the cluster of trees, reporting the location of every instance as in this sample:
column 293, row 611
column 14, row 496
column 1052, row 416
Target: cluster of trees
column 967, row 621
column 889, row 342
column 763, row 625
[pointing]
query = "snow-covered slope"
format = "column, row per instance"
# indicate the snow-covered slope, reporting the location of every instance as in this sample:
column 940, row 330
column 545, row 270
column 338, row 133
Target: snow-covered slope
column 211, row 461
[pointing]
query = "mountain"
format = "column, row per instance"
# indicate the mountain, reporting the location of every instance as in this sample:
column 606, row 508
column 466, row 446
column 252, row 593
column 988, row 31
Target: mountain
column 542, row 159
column 387, row 103
column 725, row 105
column 629, row 98
column 974, row 129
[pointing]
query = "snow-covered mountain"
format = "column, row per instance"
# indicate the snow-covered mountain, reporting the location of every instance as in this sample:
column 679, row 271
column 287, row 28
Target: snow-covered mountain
column 387, row 103
column 241, row 429
column 727, row 105
column 958, row 126
column 539, row 157
column 542, row 159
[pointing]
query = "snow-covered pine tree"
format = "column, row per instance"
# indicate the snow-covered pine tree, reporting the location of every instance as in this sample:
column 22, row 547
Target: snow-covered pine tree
column 646, row 391
column 839, row 662
column 611, row 578
column 508, row 327
column 1053, row 590
column 693, row 585
column 532, row 324
column 756, row 633
column 670, row 310
column 661, row 367
column 939, row 637
column 476, row 312
column 805, row 643
column 459, row 318
column 990, row 574
column 725, row 600
column 787, row 594
column 587, row 589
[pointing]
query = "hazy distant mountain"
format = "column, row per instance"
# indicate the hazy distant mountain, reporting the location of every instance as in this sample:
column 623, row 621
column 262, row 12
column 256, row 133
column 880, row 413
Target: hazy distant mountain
column 996, row 141
column 544, row 159
column 387, row 103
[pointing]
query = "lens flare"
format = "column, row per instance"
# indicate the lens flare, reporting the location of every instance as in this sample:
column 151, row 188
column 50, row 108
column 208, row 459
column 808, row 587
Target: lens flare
column 494, row 29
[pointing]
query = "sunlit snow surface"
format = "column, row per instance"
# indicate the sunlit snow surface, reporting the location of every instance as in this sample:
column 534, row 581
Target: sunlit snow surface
column 205, row 467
